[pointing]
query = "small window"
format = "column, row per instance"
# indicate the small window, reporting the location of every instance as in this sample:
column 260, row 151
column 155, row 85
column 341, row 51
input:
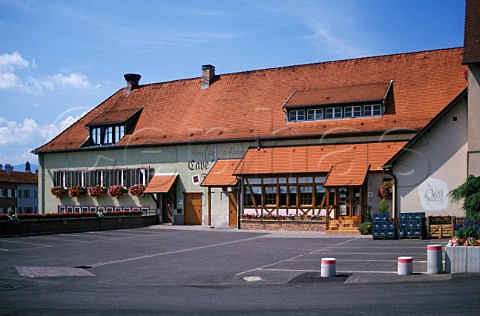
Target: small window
column 81, row 178
column 315, row 114
column 107, row 139
column 119, row 133
column 331, row 113
column 122, row 177
column 60, row 178
column 353, row 111
column 142, row 176
column 296, row 115
column 97, row 136
column 373, row 110
column 100, row 177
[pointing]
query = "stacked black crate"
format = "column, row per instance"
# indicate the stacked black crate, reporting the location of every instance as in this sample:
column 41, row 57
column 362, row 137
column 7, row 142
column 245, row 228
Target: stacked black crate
column 412, row 225
column 383, row 227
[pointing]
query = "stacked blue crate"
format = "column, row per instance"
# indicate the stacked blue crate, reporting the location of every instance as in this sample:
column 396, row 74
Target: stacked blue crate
column 383, row 227
column 412, row 225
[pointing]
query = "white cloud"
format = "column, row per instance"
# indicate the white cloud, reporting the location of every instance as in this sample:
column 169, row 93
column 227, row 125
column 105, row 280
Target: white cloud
column 10, row 64
column 13, row 132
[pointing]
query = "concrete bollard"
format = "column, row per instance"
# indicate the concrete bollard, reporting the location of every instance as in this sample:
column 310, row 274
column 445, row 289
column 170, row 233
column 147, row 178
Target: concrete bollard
column 434, row 259
column 405, row 265
column 328, row 268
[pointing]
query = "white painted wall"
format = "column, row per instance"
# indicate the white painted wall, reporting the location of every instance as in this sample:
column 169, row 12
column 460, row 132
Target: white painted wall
column 435, row 165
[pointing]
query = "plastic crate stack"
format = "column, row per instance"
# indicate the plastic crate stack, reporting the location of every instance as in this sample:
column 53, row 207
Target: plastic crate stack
column 412, row 225
column 383, row 227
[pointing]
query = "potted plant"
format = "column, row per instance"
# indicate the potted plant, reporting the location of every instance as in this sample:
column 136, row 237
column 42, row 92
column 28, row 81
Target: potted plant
column 96, row 190
column 59, row 191
column 137, row 189
column 463, row 251
column 77, row 191
column 386, row 189
column 117, row 190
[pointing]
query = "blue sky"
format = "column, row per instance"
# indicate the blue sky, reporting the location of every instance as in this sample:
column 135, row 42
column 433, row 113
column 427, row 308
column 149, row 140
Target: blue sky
column 59, row 59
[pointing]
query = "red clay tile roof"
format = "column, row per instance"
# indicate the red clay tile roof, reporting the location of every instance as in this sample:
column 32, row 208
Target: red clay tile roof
column 347, row 174
column 472, row 32
column 112, row 117
column 248, row 105
column 319, row 159
column 161, row 183
column 352, row 94
column 221, row 174
column 19, row 177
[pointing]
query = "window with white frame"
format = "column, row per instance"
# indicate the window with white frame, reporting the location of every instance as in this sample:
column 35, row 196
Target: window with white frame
column 142, row 176
column 60, row 178
column 100, row 177
column 81, row 178
column 373, row 110
column 314, row 114
column 353, row 111
column 331, row 113
column 121, row 177
column 296, row 115
column 97, row 136
column 119, row 133
column 108, row 135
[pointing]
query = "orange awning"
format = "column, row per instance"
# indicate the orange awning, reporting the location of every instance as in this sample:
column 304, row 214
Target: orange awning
column 344, row 175
column 161, row 183
column 221, row 174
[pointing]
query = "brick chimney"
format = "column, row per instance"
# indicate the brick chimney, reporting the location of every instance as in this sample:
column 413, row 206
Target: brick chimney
column 208, row 75
column 132, row 82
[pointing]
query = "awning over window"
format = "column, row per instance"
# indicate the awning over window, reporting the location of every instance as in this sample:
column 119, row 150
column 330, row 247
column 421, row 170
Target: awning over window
column 344, row 175
column 113, row 117
column 346, row 164
column 368, row 93
column 161, row 183
column 221, row 174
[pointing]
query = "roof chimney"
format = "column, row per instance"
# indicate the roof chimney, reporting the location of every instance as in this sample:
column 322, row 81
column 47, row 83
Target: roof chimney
column 132, row 82
column 1, row 166
column 208, row 74
column 27, row 167
column 8, row 169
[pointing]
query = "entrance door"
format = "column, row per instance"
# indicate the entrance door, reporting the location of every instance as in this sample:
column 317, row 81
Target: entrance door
column 232, row 209
column 193, row 208
column 349, row 203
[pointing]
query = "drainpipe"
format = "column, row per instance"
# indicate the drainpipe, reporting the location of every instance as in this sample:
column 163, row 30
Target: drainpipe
column 388, row 169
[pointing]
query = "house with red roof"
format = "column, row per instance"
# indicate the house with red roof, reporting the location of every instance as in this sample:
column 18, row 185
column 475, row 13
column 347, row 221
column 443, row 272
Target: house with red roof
column 327, row 140
column 18, row 191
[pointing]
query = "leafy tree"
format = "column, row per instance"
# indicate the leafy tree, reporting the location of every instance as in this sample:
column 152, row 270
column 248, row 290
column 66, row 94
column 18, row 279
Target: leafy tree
column 469, row 192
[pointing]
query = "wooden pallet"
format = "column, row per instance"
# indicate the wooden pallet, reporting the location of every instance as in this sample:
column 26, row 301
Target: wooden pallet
column 441, row 226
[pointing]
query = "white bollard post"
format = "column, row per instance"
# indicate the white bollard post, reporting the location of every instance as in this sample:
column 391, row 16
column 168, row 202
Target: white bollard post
column 434, row 259
column 405, row 265
column 328, row 268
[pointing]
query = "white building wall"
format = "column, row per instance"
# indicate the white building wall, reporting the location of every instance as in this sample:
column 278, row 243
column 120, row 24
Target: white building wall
column 435, row 165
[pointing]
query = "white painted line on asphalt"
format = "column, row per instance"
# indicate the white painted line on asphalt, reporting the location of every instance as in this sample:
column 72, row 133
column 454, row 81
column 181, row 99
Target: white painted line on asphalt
column 299, row 256
column 4, row 249
column 356, row 253
column 288, row 270
column 62, row 238
column 169, row 252
column 26, row 243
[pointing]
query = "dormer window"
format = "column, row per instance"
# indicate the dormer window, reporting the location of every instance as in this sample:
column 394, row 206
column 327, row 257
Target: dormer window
column 110, row 127
column 342, row 102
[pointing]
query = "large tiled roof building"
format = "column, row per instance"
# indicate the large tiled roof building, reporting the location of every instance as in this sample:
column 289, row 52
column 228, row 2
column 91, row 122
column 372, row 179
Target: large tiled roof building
column 319, row 140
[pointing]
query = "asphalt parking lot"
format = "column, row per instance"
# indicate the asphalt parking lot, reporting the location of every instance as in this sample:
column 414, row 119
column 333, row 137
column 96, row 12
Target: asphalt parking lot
column 157, row 261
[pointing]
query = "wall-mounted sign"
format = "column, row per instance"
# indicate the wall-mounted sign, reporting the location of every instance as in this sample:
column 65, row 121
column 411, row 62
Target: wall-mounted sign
column 433, row 194
column 196, row 179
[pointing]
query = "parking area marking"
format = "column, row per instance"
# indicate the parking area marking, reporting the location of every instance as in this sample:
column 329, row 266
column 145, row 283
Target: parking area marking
column 95, row 265
column 295, row 257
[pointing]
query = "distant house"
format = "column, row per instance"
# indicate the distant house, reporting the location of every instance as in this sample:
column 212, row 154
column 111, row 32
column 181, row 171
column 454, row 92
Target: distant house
column 18, row 191
column 328, row 140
